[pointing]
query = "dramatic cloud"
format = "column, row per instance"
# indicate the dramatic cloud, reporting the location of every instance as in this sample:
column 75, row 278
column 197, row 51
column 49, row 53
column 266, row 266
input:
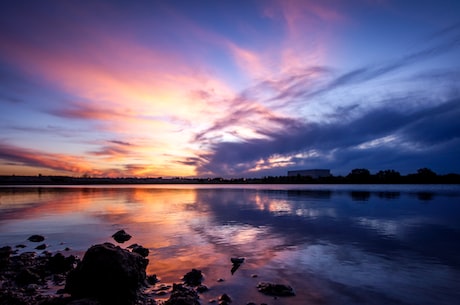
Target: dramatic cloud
column 375, row 138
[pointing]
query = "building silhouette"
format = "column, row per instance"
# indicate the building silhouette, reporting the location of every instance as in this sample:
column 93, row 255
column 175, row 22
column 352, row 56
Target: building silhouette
column 313, row 173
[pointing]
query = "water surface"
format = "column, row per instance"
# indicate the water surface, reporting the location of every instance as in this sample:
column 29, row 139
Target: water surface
column 335, row 244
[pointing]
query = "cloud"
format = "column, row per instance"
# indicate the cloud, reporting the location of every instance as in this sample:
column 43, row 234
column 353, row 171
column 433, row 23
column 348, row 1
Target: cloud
column 64, row 164
column 376, row 137
column 111, row 152
column 182, row 98
column 86, row 112
column 40, row 159
column 371, row 72
column 120, row 143
column 363, row 127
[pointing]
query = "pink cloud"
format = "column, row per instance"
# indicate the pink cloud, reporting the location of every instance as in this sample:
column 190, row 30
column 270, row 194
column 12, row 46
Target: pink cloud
column 45, row 160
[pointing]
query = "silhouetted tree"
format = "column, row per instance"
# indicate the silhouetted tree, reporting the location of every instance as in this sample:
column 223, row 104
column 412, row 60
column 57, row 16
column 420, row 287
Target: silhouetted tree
column 359, row 175
column 425, row 175
column 426, row 172
column 388, row 176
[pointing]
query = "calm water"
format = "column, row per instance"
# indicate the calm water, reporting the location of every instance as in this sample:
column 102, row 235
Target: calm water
column 335, row 244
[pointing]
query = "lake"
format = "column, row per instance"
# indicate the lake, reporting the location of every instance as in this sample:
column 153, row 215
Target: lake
column 334, row 244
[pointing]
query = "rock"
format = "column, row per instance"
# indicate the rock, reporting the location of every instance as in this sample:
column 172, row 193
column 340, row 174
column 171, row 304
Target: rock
column 225, row 298
column 121, row 236
column 61, row 264
column 109, row 274
column 144, row 252
column 202, row 288
column 181, row 295
column 60, row 300
column 237, row 260
column 220, row 280
column 275, row 289
column 41, row 247
column 58, row 279
column 21, row 246
column 26, row 277
column 5, row 253
column 31, row 288
column 163, row 287
column 152, row 279
column 12, row 298
column 85, row 301
column 36, row 238
column 193, row 278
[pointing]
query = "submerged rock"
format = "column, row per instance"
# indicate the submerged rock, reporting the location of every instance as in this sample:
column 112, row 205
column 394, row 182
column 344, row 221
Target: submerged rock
column 27, row 276
column 41, row 247
column 121, row 236
column 144, row 252
column 279, row 290
column 36, row 238
column 236, row 261
column 84, row 302
column 201, row 288
column 152, row 279
column 181, row 295
column 61, row 264
column 5, row 253
column 225, row 299
column 109, row 274
column 193, row 278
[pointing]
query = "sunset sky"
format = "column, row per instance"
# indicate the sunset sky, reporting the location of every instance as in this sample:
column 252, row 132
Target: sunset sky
column 228, row 88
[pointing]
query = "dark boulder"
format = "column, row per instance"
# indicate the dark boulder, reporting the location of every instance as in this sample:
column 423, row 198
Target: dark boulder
column 41, row 247
column 152, row 279
column 61, row 264
column 121, row 236
column 236, row 261
column 144, row 252
column 225, row 299
column 36, row 238
column 181, row 295
column 279, row 290
column 201, row 288
column 109, row 274
column 193, row 278
column 27, row 276
column 5, row 253
column 84, row 302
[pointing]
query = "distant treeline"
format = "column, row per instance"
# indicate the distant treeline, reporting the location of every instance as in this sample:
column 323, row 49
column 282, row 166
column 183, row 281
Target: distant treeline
column 358, row 176
column 364, row 176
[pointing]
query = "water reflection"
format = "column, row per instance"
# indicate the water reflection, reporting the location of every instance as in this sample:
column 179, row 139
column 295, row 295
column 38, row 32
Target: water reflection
column 325, row 243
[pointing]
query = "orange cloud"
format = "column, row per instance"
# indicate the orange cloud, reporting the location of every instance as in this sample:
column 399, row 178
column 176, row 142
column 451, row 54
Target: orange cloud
column 39, row 159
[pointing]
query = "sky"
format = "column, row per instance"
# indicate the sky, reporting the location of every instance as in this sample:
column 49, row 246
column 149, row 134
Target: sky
column 228, row 88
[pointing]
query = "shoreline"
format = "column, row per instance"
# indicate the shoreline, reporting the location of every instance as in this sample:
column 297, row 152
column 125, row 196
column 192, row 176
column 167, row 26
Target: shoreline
column 56, row 278
column 14, row 180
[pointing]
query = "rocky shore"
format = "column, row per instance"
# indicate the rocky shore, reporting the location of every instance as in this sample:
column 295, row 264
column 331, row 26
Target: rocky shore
column 107, row 274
